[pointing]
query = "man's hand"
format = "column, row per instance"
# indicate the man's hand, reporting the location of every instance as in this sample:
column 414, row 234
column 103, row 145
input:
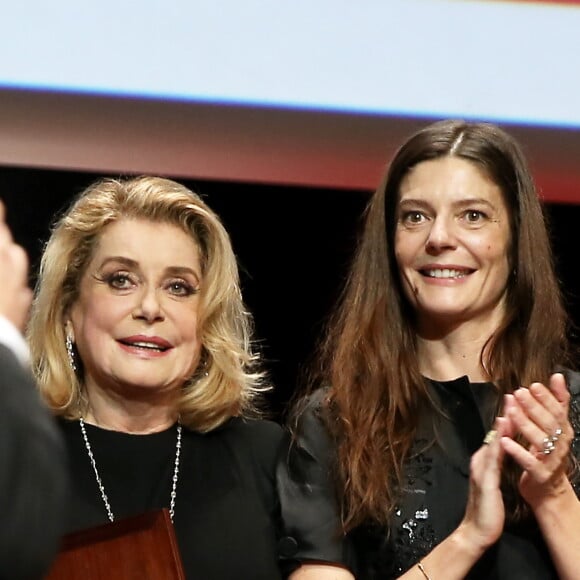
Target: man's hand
column 15, row 295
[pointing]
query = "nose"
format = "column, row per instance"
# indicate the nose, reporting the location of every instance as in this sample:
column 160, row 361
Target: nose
column 148, row 306
column 441, row 236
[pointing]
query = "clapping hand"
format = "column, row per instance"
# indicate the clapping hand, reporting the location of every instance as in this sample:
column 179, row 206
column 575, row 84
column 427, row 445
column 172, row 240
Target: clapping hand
column 15, row 296
column 485, row 513
column 540, row 414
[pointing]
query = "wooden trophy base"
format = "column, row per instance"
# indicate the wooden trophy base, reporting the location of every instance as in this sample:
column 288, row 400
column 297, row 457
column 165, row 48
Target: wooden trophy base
column 141, row 547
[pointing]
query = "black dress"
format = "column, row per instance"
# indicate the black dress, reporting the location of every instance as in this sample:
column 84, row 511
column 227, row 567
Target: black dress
column 434, row 497
column 226, row 508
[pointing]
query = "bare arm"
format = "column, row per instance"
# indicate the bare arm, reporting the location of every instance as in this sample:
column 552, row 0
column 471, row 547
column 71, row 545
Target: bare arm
column 321, row 572
column 559, row 520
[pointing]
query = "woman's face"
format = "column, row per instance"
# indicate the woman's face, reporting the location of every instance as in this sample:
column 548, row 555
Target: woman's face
column 135, row 320
column 452, row 243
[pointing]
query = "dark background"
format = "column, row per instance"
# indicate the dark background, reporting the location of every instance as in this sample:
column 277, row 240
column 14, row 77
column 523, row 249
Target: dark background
column 293, row 245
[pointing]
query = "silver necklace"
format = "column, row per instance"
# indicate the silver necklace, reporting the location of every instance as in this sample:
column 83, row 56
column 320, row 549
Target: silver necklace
column 100, row 483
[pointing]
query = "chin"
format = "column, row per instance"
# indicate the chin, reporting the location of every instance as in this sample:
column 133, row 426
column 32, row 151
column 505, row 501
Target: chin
column 444, row 315
column 451, row 309
column 145, row 383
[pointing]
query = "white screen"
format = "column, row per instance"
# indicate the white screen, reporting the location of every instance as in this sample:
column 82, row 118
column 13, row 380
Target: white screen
column 510, row 62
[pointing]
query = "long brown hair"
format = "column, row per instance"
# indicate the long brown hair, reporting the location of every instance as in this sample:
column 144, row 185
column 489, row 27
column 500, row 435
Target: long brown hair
column 369, row 357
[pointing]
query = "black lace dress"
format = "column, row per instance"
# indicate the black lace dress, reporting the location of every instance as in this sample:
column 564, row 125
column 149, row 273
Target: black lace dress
column 434, row 498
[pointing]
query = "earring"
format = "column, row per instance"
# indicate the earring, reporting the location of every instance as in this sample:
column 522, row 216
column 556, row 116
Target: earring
column 202, row 372
column 71, row 353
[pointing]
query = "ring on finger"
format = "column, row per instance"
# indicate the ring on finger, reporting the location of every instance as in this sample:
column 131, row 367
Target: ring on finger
column 490, row 437
column 548, row 445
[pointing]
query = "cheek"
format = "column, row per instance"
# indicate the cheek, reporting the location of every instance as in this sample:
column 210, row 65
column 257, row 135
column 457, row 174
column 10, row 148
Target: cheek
column 97, row 316
column 402, row 250
column 496, row 254
column 190, row 339
column 398, row 259
column 401, row 263
column 186, row 322
column 489, row 243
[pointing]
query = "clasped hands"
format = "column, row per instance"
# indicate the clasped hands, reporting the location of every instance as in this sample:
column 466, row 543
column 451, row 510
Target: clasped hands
column 538, row 415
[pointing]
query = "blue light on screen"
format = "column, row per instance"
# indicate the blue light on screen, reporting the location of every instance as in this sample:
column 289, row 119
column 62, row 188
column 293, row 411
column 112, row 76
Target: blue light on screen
column 504, row 61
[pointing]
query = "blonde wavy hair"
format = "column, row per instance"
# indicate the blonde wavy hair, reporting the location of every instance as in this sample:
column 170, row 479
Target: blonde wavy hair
column 228, row 381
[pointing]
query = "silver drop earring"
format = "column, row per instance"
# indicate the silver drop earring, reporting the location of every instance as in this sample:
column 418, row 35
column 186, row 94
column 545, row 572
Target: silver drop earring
column 70, row 352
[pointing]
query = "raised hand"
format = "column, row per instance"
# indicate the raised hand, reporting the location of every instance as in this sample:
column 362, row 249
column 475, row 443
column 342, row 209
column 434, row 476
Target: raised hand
column 485, row 513
column 15, row 296
column 540, row 414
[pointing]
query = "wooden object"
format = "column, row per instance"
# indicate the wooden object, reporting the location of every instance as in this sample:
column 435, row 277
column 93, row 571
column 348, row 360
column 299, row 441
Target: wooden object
column 141, row 547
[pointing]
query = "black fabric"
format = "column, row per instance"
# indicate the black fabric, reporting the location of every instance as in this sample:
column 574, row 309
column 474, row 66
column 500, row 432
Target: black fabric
column 32, row 476
column 226, row 510
column 434, row 495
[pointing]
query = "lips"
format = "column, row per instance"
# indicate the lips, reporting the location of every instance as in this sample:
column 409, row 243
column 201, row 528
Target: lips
column 451, row 272
column 147, row 343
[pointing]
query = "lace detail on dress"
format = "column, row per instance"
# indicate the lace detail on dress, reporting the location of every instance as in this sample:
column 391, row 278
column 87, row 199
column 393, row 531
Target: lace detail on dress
column 412, row 535
column 575, row 445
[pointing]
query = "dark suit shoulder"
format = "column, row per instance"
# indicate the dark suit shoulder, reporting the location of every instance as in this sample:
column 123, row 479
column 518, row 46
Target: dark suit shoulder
column 13, row 373
column 33, row 476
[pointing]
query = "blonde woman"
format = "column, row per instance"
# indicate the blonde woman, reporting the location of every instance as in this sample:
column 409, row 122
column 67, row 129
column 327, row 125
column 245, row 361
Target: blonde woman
column 142, row 346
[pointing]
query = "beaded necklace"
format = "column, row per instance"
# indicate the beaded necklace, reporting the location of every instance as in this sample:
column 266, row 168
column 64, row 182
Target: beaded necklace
column 100, row 483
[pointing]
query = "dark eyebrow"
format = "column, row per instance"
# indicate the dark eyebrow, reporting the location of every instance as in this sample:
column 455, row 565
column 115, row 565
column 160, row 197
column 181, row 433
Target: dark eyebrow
column 411, row 201
column 413, row 204
column 420, row 203
column 474, row 201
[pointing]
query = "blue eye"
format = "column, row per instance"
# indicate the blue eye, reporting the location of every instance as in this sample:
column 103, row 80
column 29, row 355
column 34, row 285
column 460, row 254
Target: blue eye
column 181, row 288
column 119, row 280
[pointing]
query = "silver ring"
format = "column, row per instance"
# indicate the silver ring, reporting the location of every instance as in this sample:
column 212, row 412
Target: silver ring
column 556, row 435
column 548, row 445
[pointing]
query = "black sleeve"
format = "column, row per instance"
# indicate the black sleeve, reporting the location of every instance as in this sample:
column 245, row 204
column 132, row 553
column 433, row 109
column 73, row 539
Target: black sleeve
column 573, row 380
column 32, row 476
column 306, row 484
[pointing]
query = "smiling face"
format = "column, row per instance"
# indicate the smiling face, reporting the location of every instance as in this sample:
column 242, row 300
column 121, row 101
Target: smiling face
column 135, row 320
column 452, row 244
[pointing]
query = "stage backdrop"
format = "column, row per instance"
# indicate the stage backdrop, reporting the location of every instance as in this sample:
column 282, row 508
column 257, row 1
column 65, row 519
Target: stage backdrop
column 284, row 114
column 309, row 92
column 293, row 244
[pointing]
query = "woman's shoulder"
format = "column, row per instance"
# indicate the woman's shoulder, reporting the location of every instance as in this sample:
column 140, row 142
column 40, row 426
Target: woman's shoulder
column 256, row 439
column 310, row 425
column 312, row 406
column 253, row 427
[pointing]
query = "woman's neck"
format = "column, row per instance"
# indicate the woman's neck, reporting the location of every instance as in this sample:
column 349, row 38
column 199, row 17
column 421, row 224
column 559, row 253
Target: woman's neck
column 455, row 353
column 138, row 416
